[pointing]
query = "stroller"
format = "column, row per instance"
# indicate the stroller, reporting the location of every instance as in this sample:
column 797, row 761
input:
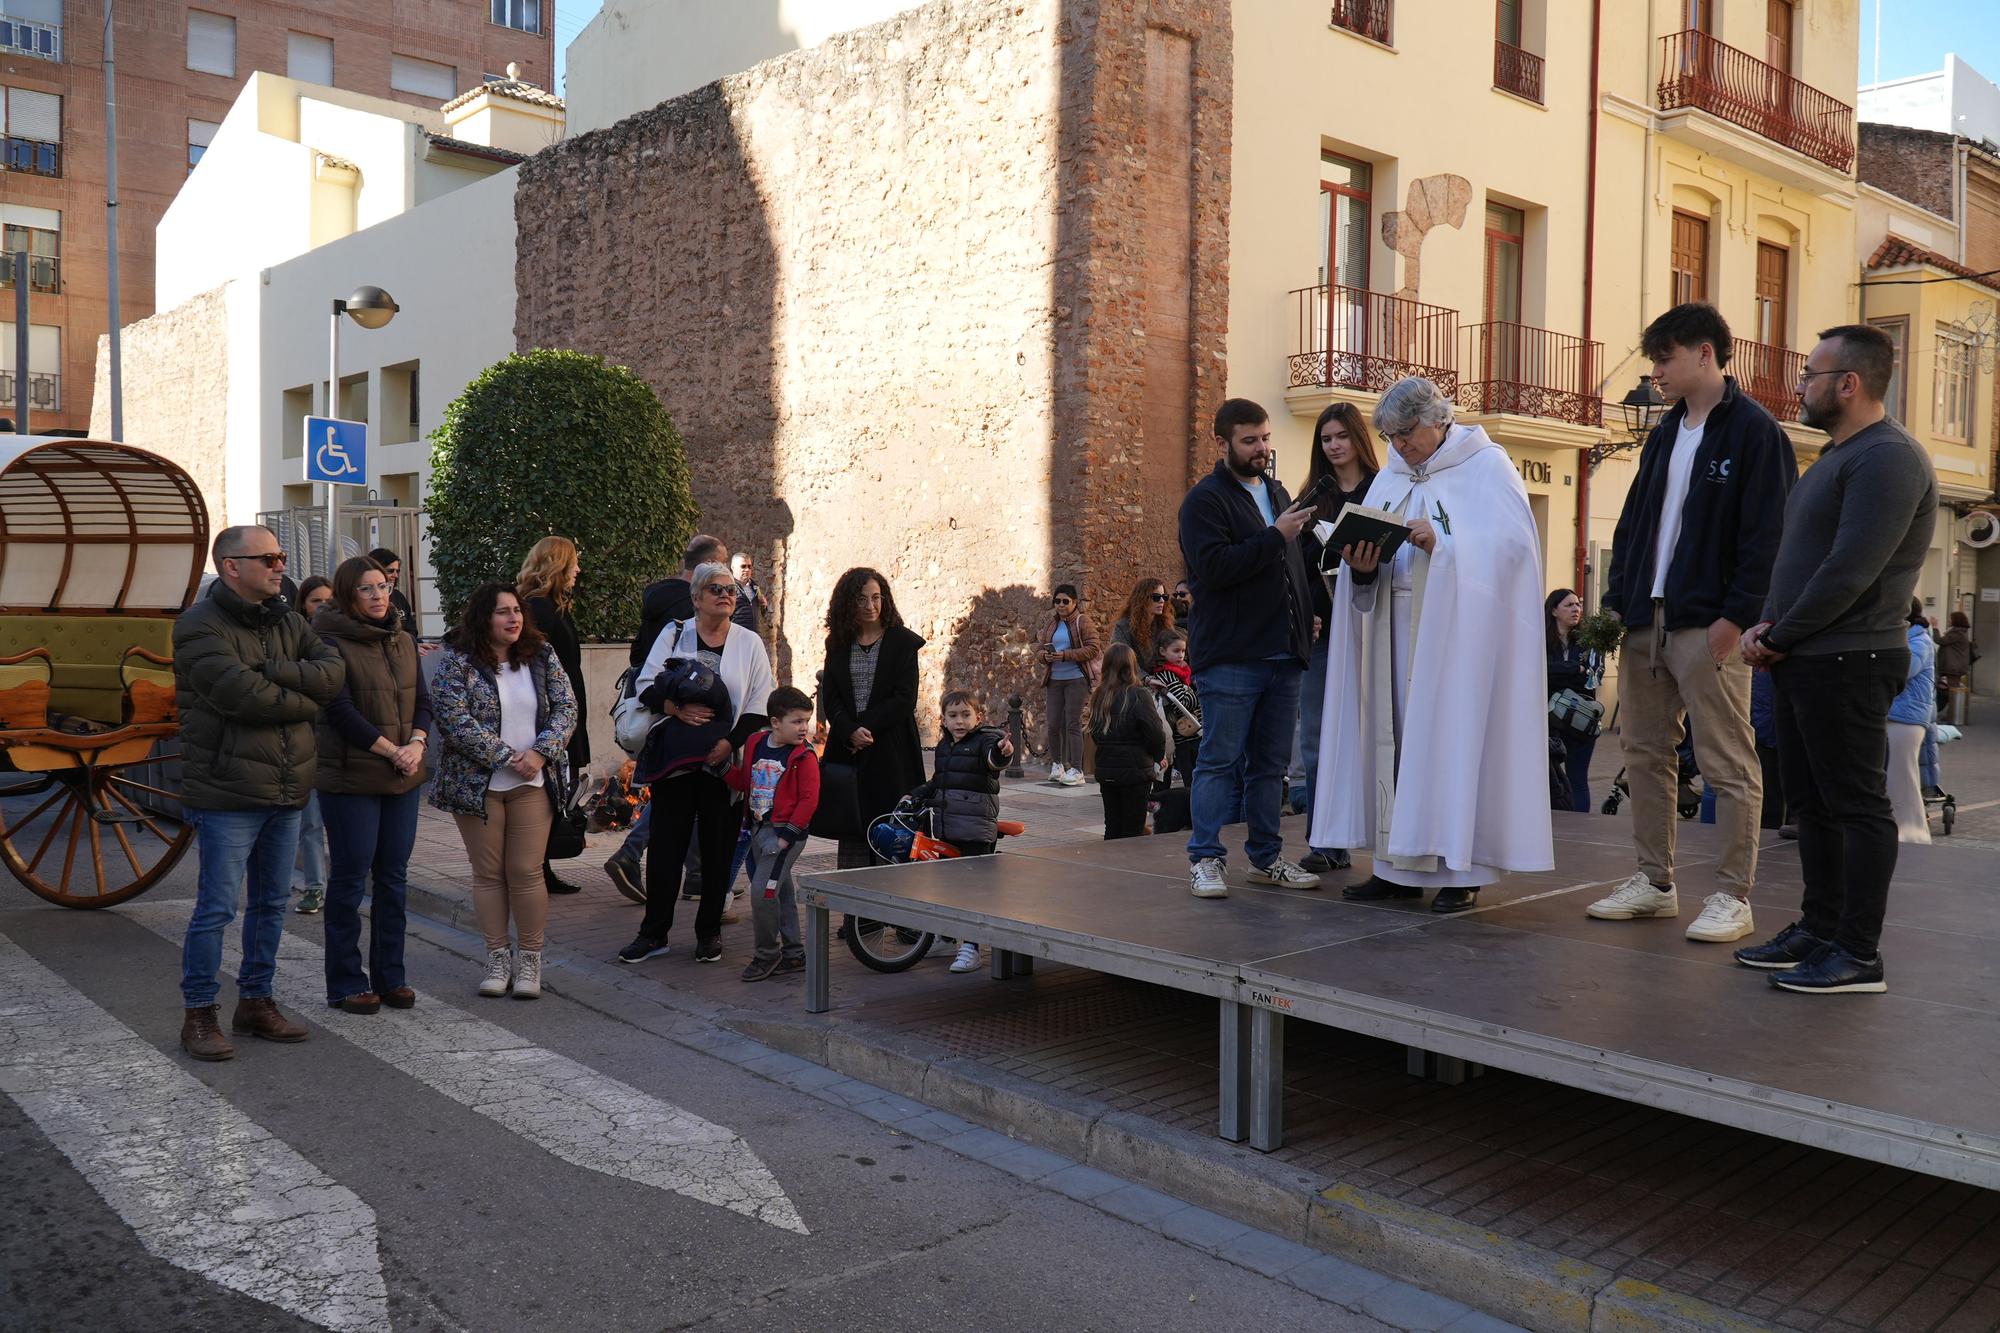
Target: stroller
column 1687, row 794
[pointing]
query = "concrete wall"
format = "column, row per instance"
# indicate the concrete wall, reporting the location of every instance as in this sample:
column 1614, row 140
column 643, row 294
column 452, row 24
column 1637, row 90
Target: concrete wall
column 636, row 54
column 176, row 377
column 911, row 311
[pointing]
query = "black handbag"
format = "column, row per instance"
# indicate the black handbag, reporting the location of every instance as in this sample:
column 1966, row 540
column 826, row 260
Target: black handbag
column 572, row 815
column 838, row 815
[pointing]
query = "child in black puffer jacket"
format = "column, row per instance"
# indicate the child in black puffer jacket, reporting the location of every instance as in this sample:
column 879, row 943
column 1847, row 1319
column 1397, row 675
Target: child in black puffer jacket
column 964, row 789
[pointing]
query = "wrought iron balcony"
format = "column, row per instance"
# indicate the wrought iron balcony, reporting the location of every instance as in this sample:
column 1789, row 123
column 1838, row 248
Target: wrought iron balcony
column 1349, row 338
column 1698, row 71
column 1530, row 372
column 1516, row 70
column 44, row 273
column 1770, row 375
column 44, row 391
column 1373, row 19
column 33, row 156
column 27, row 37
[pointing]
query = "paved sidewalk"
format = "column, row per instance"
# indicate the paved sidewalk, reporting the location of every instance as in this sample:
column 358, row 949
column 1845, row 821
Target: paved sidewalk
column 1776, row 1234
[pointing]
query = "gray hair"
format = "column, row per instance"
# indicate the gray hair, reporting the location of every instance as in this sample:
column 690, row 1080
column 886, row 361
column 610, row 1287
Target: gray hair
column 1412, row 402
column 709, row 571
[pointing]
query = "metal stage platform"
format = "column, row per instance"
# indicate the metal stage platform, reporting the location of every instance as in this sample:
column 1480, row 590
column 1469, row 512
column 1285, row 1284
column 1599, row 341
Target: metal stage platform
column 1525, row 983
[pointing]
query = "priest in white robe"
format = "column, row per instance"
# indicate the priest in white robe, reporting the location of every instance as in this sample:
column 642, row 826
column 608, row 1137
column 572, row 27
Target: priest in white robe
column 1434, row 739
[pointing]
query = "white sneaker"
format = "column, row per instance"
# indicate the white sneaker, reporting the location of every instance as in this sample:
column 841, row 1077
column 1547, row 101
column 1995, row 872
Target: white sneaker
column 528, row 976
column 1283, row 874
column 1057, row 773
column 499, row 971
column 1205, row 879
column 1637, row 897
column 967, row 960
column 1724, row 917
column 1073, row 778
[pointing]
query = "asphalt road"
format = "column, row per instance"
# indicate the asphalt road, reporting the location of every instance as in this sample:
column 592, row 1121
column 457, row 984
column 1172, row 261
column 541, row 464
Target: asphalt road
column 501, row 1165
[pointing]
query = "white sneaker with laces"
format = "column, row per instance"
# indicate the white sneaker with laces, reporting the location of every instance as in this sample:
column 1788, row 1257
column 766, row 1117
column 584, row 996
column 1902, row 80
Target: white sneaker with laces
column 1057, row 772
column 1283, row 874
column 528, row 976
column 1637, row 897
column 1724, row 917
column 499, row 972
column 1205, row 879
column 1074, row 778
column 967, row 960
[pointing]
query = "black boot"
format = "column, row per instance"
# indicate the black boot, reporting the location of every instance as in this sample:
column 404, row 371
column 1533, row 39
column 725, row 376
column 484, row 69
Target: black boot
column 1455, row 900
column 555, row 883
column 1375, row 889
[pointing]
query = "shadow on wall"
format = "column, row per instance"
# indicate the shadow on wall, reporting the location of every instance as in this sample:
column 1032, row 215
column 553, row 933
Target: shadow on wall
column 991, row 653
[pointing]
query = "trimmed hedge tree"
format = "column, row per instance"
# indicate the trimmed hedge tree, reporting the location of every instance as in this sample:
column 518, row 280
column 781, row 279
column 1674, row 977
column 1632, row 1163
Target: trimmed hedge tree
column 556, row 442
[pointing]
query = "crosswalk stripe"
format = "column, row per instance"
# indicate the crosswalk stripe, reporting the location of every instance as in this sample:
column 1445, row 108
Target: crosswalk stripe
column 204, row 1187
column 567, row 1109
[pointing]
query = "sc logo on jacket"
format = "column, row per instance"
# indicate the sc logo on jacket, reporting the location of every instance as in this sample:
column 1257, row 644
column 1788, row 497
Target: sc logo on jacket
column 1718, row 470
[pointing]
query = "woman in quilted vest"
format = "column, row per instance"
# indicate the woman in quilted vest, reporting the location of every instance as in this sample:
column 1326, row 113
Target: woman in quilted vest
column 505, row 710
column 373, row 739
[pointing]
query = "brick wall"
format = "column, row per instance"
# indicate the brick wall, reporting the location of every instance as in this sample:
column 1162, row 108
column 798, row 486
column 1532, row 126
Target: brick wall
column 1909, row 163
column 945, row 296
column 175, row 368
column 1982, row 212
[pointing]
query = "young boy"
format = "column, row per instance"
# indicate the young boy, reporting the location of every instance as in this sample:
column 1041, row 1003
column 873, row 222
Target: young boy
column 965, row 789
column 778, row 775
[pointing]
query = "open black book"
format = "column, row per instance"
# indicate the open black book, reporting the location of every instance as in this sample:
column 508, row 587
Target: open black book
column 1358, row 523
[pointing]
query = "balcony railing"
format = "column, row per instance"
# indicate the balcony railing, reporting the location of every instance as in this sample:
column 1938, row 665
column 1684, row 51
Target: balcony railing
column 1698, row 71
column 1353, row 339
column 1530, row 372
column 1373, row 19
column 1517, row 71
column 27, row 37
column 1770, row 375
column 44, row 273
column 33, row 156
column 44, row 391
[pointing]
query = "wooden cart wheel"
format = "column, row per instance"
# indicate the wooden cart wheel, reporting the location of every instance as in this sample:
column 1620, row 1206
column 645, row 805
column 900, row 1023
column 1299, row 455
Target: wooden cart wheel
column 97, row 835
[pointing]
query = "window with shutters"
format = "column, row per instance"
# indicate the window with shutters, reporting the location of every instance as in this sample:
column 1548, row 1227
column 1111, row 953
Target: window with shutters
column 423, row 78
column 39, row 232
column 1690, row 257
column 33, row 132
column 1778, row 35
column 44, row 367
column 211, row 43
column 200, row 134
column 32, row 28
column 1773, row 279
column 1899, row 336
column 522, row 15
column 1951, row 409
column 1345, row 194
column 308, row 59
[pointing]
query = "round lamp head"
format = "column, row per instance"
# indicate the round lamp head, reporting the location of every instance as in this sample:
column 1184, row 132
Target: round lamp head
column 371, row 307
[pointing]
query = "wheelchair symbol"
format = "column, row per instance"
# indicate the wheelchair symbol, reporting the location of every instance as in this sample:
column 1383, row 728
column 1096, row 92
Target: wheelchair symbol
column 332, row 458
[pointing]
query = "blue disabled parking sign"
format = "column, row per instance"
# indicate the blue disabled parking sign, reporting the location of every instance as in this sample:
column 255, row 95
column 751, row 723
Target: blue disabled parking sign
column 337, row 451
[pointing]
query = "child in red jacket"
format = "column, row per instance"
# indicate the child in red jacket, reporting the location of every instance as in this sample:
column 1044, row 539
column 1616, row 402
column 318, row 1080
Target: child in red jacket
column 778, row 776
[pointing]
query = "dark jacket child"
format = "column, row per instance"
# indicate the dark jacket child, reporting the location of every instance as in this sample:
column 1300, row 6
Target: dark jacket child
column 1172, row 683
column 964, row 789
column 777, row 775
column 1132, row 743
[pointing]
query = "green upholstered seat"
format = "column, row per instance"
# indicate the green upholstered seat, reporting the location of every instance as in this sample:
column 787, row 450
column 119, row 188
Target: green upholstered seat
column 87, row 650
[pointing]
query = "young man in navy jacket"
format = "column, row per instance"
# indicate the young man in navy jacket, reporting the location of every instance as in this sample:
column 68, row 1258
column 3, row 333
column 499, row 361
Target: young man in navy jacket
column 1250, row 635
column 1690, row 568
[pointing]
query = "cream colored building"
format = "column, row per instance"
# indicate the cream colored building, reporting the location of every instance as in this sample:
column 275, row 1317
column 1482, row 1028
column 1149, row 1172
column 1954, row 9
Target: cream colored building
column 1501, row 198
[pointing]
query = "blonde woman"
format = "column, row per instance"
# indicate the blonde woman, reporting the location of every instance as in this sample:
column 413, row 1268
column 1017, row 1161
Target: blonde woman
column 547, row 584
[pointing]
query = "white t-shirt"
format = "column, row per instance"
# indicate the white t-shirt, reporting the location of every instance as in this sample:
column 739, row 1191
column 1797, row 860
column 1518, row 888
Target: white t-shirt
column 517, row 724
column 1680, row 472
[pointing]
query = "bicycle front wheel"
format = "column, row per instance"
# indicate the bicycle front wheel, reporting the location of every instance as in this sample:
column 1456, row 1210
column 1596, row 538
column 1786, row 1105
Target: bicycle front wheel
column 885, row 947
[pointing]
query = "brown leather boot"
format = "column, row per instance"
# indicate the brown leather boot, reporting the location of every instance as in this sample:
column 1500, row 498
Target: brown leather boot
column 201, row 1035
column 260, row 1018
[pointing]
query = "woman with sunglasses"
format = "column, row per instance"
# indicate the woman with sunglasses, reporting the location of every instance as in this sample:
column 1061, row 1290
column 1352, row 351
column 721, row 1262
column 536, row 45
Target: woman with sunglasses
column 709, row 679
column 374, row 740
column 1148, row 614
column 1071, row 663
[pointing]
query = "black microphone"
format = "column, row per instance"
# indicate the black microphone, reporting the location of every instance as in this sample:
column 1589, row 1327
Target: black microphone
column 1317, row 491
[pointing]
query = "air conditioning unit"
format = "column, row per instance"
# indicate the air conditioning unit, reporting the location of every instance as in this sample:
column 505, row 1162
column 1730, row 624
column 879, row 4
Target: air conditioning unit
column 1979, row 529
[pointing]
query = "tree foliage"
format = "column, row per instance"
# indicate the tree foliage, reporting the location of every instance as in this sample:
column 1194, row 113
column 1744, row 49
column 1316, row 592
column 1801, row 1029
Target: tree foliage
column 556, row 442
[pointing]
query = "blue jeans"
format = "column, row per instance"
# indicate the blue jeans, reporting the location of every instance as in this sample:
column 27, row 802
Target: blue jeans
column 1248, row 710
column 1577, row 764
column 371, row 838
column 1927, row 759
column 261, row 844
column 641, row 833
column 312, row 844
column 1312, row 702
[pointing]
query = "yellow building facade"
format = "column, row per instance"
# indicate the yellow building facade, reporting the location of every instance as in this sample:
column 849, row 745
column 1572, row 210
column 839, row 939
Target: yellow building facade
column 1502, row 195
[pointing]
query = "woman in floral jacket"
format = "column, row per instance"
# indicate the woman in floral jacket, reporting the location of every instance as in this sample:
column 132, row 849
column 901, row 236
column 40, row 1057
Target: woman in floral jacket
column 506, row 710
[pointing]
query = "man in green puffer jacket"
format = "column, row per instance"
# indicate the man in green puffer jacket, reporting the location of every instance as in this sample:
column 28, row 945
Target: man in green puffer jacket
column 250, row 677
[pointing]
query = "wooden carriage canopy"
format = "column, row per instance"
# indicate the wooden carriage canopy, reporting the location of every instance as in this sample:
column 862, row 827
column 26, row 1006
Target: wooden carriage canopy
column 88, row 527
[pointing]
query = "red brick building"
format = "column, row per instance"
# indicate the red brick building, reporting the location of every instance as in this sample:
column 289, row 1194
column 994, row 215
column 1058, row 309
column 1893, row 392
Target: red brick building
column 180, row 66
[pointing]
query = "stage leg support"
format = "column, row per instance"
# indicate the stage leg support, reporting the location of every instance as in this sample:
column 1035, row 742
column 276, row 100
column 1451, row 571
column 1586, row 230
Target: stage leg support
column 1267, row 1079
column 1002, row 963
column 1446, row 1069
column 1235, row 1067
column 818, row 998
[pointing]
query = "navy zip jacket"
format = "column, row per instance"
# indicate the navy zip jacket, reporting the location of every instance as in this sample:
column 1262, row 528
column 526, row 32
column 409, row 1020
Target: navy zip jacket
column 1251, row 600
column 1735, row 513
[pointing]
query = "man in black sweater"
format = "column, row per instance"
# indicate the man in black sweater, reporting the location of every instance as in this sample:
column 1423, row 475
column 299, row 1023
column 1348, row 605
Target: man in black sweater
column 1834, row 637
column 1690, row 566
column 1249, row 640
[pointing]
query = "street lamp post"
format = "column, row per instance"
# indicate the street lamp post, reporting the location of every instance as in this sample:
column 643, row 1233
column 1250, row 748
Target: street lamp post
column 371, row 308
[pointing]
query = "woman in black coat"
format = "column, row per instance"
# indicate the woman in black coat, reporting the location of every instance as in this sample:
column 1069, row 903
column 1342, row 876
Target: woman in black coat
column 869, row 692
column 546, row 581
